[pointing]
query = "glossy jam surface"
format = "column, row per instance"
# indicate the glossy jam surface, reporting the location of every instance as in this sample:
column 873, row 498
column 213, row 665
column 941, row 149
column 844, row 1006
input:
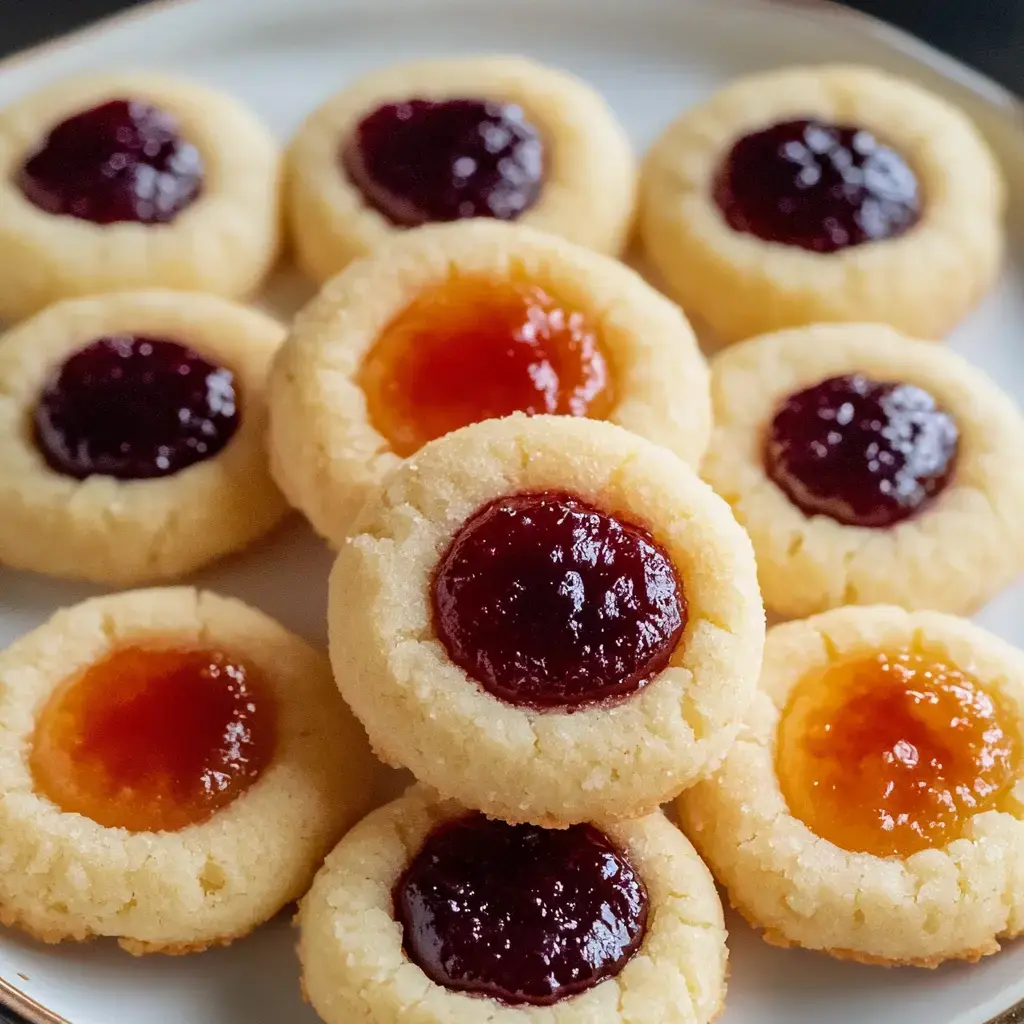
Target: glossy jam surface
column 892, row 754
column 154, row 740
column 520, row 913
column 548, row 602
column 424, row 161
column 818, row 186
column 122, row 161
column 863, row 452
column 473, row 349
column 134, row 408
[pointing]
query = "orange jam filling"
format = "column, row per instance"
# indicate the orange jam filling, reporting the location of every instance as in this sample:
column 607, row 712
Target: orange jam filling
column 892, row 754
column 154, row 740
column 473, row 349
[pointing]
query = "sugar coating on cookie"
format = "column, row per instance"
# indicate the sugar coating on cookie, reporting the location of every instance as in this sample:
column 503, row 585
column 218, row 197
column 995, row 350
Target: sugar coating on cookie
column 202, row 213
column 949, row 695
column 561, row 161
column 958, row 432
column 351, row 945
column 452, row 324
column 132, row 436
column 66, row 877
column 442, row 688
column 908, row 195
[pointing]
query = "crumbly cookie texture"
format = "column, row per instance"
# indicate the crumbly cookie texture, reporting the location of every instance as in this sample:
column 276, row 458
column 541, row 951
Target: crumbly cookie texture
column 354, row 968
column 548, row 767
column 957, row 901
column 121, row 532
column 589, row 190
column 225, row 242
column 64, row 877
column 325, row 454
column 953, row 556
column 922, row 282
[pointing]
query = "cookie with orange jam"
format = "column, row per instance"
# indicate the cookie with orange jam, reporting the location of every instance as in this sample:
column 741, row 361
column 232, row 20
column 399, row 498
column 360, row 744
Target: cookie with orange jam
column 868, row 468
column 133, row 180
column 173, row 767
column 548, row 619
column 500, row 138
column 872, row 805
column 476, row 921
column 818, row 194
column 451, row 325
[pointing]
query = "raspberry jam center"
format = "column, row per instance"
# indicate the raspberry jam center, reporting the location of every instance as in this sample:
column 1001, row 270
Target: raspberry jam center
column 441, row 160
column 519, row 913
column 863, row 452
column 121, row 161
column 134, row 408
column 818, row 186
column 154, row 740
column 892, row 754
column 548, row 602
column 473, row 349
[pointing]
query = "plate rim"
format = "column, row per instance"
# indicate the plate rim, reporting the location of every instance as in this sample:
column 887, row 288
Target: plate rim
column 984, row 88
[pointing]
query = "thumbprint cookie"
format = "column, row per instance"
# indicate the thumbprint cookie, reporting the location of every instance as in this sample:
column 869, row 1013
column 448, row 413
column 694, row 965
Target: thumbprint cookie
column 445, row 140
column 830, row 193
column 451, row 325
column 132, row 436
column 173, row 768
column 872, row 806
column 424, row 904
column 117, row 181
column 868, row 468
column 548, row 619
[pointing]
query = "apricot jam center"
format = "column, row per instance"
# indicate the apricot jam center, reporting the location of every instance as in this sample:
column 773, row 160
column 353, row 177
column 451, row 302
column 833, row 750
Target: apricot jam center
column 892, row 754
column 474, row 349
column 154, row 740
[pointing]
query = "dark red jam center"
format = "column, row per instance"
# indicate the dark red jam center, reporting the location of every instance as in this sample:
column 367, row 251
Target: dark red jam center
column 520, row 913
column 134, row 408
column 818, row 186
column 550, row 603
column 863, row 452
column 422, row 160
column 122, row 161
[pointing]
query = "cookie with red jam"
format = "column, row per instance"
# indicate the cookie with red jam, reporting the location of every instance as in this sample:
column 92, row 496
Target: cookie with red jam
column 829, row 193
column 548, row 619
column 474, row 920
column 500, row 138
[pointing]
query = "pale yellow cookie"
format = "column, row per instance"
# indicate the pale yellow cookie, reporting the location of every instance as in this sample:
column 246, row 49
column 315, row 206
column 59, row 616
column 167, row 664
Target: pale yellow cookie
column 957, row 551
column 949, row 899
column 224, row 241
column 589, row 174
column 567, row 761
column 327, row 454
column 64, row 876
column 124, row 532
column 922, row 281
column 354, row 967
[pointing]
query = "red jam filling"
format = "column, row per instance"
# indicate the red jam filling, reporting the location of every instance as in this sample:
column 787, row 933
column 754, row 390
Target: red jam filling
column 548, row 602
column 519, row 913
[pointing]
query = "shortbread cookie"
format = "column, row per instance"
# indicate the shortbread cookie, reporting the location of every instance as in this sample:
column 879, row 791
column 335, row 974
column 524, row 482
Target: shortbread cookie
column 828, row 193
column 173, row 767
column 868, row 468
column 117, row 181
column 443, row 140
column 450, row 325
column 548, row 619
column 603, row 923
column 132, row 431
column 871, row 807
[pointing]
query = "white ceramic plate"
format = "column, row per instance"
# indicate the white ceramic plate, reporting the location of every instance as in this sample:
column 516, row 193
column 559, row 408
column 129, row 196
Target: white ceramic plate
column 651, row 58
